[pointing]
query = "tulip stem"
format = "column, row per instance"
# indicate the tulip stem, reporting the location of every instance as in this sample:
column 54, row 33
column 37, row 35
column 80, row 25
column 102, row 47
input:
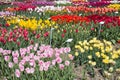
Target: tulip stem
column 99, row 31
column 51, row 36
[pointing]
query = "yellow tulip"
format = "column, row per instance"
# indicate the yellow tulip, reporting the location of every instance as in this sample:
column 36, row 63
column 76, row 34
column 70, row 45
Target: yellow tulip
column 106, row 61
column 97, row 54
column 93, row 63
column 76, row 53
column 90, row 57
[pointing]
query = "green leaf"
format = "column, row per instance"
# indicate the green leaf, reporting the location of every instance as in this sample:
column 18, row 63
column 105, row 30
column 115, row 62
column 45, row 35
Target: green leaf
column 113, row 41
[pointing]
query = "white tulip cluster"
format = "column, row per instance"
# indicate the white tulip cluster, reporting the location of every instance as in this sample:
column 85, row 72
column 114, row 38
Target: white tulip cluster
column 46, row 8
column 63, row 2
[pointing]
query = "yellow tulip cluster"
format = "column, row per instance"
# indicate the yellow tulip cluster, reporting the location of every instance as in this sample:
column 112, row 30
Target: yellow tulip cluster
column 32, row 24
column 102, row 50
column 115, row 6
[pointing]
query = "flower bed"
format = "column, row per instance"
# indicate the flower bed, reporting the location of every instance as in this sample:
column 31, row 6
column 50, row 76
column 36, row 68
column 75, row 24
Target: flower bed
column 59, row 41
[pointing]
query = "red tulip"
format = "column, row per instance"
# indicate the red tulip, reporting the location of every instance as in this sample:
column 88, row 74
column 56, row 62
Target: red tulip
column 64, row 31
column 118, row 41
column 18, row 43
column 4, row 41
column 9, row 39
column 11, row 34
column 7, row 25
column 31, row 42
column 34, row 32
column 46, row 34
column 101, row 30
column 37, row 36
column 76, row 30
column 15, row 31
column 1, row 39
column 14, row 39
column 26, row 39
column 92, row 29
column 63, row 35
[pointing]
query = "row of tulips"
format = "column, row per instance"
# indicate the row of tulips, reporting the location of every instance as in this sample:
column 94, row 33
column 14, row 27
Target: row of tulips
column 115, row 6
column 69, row 19
column 32, row 24
column 92, row 3
column 46, row 8
column 76, row 10
column 20, row 8
column 96, row 10
column 43, row 3
column 6, row 13
column 115, row 20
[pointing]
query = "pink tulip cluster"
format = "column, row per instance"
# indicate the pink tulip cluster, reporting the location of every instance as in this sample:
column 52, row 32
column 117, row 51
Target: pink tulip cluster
column 27, row 59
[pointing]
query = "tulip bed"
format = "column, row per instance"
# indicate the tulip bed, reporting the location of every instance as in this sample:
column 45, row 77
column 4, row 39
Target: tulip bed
column 59, row 40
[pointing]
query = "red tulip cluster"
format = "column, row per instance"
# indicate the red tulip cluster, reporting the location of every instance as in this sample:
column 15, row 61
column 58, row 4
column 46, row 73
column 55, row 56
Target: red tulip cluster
column 16, row 35
column 113, row 20
column 87, row 19
column 69, row 18
column 93, row 3
column 21, row 7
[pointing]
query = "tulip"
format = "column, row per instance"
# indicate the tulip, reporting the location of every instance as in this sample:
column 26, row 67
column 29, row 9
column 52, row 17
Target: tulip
column 92, row 29
column 17, row 73
column 63, row 35
column 7, row 25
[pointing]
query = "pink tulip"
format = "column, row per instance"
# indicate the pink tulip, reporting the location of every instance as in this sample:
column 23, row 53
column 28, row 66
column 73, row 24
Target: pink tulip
column 61, row 66
column 1, row 50
column 67, row 50
column 22, row 54
column 31, row 55
column 15, row 54
column 21, row 67
column 35, row 48
column 36, row 57
column 28, row 70
column 41, row 62
column 36, row 45
column 32, row 70
column 32, row 63
column 6, row 58
column 10, row 65
column 47, row 64
column 22, row 62
column 58, row 60
column 46, row 68
column 53, row 62
column 57, row 55
column 26, row 58
column 15, row 60
column 41, row 68
column 17, row 73
column 49, row 55
column 67, row 63
column 61, row 50
column 44, row 55
column 38, row 53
